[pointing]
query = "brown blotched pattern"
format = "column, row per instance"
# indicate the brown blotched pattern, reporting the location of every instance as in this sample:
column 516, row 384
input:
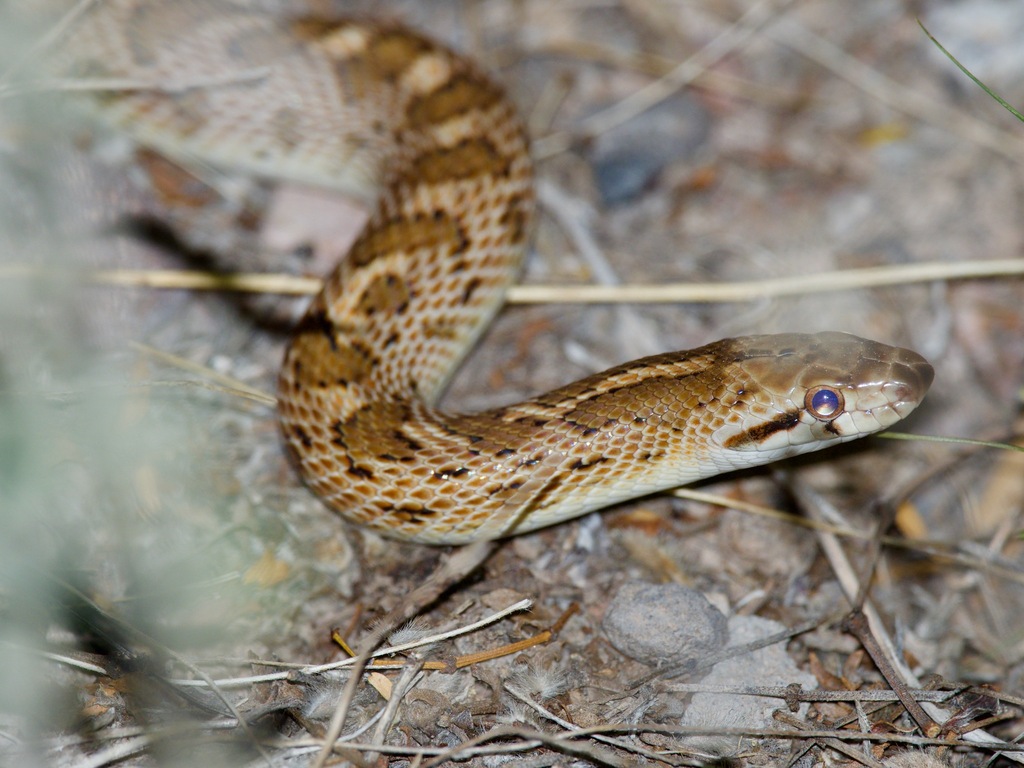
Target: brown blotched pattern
column 385, row 113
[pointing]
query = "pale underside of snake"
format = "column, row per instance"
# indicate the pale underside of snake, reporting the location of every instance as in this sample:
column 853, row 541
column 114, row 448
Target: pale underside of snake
column 376, row 110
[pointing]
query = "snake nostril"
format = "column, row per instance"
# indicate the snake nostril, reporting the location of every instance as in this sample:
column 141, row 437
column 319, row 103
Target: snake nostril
column 907, row 393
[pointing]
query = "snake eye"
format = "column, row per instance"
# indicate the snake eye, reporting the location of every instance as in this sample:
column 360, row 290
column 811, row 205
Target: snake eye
column 824, row 403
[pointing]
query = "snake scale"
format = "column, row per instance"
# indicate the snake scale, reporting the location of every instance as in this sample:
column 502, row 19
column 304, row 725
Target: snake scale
column 374, row 109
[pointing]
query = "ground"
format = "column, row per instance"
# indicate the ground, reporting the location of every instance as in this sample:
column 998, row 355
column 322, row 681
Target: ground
column 156, row 531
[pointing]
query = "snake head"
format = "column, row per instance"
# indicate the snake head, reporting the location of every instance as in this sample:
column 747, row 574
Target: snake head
column 793, row 393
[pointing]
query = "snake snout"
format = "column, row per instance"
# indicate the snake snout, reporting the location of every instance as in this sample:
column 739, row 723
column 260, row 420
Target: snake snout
column 915, row 375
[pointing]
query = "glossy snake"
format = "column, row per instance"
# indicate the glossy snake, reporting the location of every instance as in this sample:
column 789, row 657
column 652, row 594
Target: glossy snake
column 379, row 111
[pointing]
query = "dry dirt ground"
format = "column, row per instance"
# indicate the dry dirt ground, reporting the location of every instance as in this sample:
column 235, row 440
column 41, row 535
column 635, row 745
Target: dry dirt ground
column 153, row 531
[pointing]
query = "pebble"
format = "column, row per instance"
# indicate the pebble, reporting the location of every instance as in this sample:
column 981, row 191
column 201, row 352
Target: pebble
column 628, row 158
column 662, row 624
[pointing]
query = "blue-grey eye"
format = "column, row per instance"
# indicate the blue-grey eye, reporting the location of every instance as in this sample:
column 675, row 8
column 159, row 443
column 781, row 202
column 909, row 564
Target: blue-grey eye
column 824, row 403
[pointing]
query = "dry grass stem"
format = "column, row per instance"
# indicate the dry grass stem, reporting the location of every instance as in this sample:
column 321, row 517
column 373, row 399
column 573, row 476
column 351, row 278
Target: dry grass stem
column 728, row 41
column 307, row 669
column 855, row 590
column 896, row 95
column 230, row 384
column 737, row 291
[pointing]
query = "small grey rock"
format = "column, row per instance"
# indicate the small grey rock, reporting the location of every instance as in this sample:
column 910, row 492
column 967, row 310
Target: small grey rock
column 628, row 158
column 661, row 624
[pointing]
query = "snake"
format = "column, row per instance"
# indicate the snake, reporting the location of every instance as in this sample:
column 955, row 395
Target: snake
column 374, row 109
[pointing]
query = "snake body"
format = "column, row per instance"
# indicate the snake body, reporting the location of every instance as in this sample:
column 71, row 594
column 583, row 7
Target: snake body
column 378, row 110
